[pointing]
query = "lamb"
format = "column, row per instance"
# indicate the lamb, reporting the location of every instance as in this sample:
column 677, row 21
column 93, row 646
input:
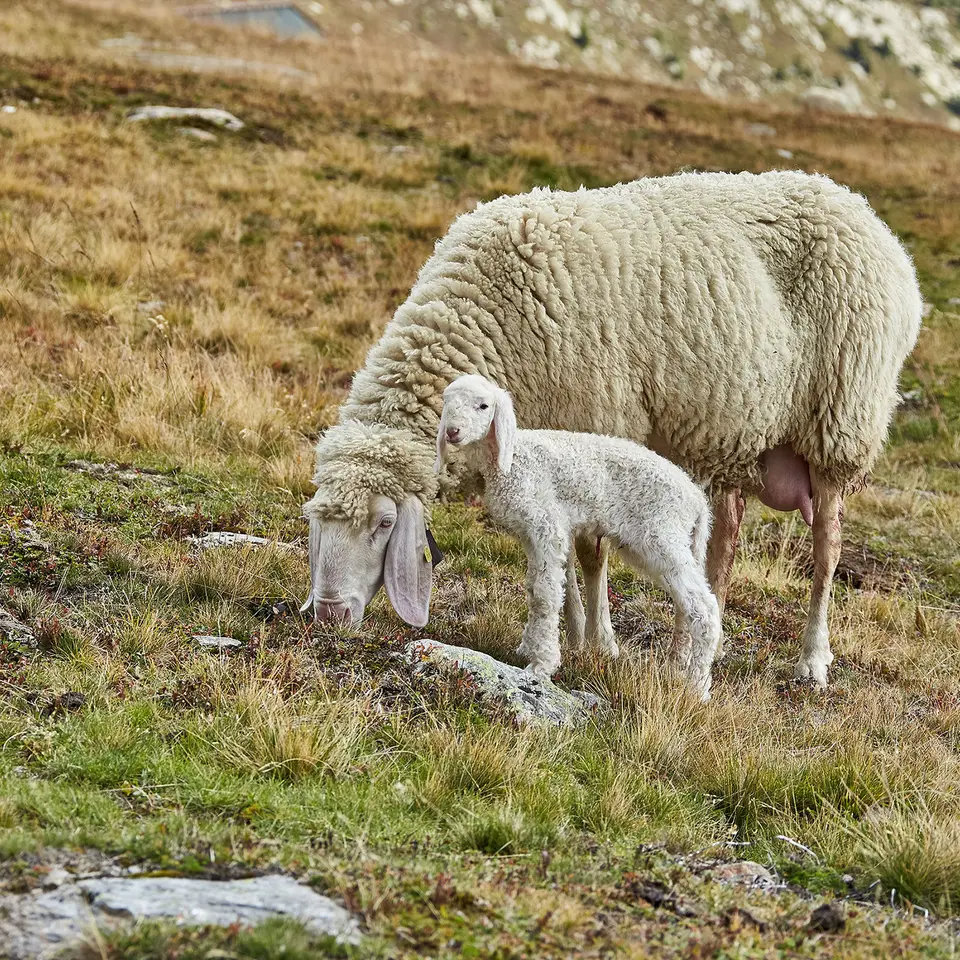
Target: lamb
column 750, row 328
column 549, row 486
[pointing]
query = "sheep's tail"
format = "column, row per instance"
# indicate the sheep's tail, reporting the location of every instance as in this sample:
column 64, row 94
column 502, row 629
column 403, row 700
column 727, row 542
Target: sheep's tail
column 701, row 536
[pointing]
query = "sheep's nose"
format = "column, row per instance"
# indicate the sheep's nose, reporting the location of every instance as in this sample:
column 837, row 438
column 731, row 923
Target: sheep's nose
column 453, row 434
column 332, row 610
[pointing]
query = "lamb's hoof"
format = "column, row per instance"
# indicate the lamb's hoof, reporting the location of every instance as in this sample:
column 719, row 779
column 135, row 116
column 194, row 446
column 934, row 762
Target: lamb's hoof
column 813, row 671
column 542, row 672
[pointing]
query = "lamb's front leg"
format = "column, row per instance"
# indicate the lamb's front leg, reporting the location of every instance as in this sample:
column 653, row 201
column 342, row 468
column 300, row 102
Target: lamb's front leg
column 546, row 562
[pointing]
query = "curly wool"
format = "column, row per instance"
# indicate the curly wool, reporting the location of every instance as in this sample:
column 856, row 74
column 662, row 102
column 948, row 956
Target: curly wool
column 357, row 461
column 711, row 316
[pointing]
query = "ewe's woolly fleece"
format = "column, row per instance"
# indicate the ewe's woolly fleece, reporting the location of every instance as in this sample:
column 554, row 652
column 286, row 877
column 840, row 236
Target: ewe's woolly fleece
column 711, row 316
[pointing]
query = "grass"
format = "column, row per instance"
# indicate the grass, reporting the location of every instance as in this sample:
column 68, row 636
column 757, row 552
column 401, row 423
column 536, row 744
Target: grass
column 195, row 310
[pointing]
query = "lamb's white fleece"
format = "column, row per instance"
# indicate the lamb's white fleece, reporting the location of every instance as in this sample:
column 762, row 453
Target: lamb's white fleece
column 549, row 486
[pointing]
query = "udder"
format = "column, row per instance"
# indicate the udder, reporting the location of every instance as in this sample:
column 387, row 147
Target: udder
column 786, row 482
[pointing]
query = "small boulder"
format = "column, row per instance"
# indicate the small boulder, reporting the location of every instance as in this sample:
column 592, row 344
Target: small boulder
column 827, row 918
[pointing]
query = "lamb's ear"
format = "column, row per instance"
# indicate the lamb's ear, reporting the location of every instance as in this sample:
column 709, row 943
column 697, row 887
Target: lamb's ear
column 313, row 554
column 505, row 430
column 408, row 567
column 441, row 443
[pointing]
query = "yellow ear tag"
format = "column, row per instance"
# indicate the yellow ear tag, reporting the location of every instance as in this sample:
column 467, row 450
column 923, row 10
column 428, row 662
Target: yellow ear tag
column 426, row 553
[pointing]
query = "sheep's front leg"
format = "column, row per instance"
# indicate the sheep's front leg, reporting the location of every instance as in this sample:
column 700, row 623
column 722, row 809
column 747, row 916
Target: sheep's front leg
column 593, row 562
column 816, row 657
column 545, row 582
column 728, row 510
column 573, row 614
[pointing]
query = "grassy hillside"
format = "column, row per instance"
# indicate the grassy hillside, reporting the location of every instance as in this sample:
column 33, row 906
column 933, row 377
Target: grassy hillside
column 193, row 311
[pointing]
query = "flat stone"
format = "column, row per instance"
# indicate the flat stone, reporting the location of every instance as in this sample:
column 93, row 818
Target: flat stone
column 219, row 118
column 527, row 697
column 761, row 129
column 744, row 871
column 954, row 302
column 112, row 471
column 786, row 154
column 36, row 925
column 926, row 309
column 216, row 643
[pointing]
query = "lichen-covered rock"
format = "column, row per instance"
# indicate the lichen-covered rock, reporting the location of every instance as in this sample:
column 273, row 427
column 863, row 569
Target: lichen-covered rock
column 527, row 697
column 14, row 629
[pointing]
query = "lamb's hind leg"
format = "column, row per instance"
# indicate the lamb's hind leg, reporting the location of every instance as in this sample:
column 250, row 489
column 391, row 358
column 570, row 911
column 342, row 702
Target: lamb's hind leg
column 816, row 657
column 593, row 556
column 573, row 614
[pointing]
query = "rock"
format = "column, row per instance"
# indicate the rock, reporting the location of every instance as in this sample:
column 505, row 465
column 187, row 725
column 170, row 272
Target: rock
column 926, row 309
column 527, row 697
column 953, row 302
column 197, row 134
column 37, row 925
column 216, row 643
column 14, row 629
column 761, row 130
column 744, row 871
column 827, row 918
column 219, row 118
column 786, row 154
column 57, row 877
column 8, row 108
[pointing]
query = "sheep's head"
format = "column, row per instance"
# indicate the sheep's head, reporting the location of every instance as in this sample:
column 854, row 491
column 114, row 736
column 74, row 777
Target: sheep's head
column 368, row 524
column 476, row 409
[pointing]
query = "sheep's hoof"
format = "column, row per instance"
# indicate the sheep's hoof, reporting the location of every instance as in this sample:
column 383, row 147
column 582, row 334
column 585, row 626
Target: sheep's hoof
column 814, row 671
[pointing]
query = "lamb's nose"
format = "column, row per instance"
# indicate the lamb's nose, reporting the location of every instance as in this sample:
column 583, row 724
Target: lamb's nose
column 453, row 433
column 332, row 610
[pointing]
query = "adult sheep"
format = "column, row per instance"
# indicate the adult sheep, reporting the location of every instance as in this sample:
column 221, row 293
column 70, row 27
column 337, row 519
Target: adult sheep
column 751, row 328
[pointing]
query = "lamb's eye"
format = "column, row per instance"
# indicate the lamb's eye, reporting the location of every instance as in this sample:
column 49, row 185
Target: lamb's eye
column 386, row 523
column 483, row 406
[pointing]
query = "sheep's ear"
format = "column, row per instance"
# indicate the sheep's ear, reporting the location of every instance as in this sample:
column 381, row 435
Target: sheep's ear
column 313, row 554
column 505, row 430
column 408, row 567
column 441, row 443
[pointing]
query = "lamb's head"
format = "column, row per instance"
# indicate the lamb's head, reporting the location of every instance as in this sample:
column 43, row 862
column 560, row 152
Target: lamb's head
column 368, row 523
column 476, row 409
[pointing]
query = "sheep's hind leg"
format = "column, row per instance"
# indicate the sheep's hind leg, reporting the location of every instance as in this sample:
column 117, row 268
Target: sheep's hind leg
column 816, row 657
column 573, row 614
column 698, row 615
column 728, row 510
column 593, row 558
column 545, row 583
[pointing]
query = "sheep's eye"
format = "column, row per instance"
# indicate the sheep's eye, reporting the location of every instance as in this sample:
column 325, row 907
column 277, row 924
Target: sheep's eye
column 386, row 522
column 483, row 406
